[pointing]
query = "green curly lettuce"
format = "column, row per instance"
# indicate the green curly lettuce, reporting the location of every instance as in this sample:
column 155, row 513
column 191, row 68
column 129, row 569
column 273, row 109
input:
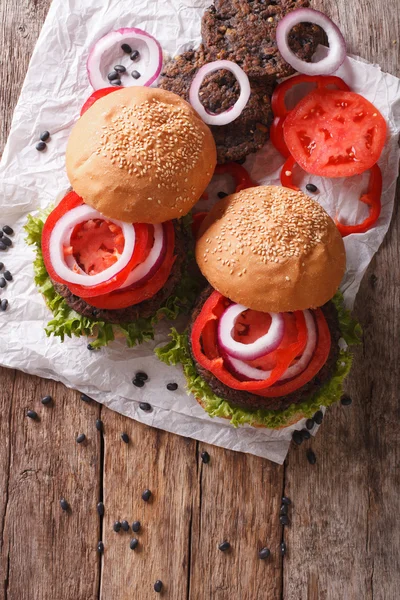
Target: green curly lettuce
column 177, row 351
column 67, row 322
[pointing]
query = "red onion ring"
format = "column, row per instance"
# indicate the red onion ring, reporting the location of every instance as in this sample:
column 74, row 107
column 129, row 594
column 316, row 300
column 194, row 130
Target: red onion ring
column 106, row 53
column 146, row 269
column 61, row 236
column 263, row 345
column 233, row 112
column 337, row 45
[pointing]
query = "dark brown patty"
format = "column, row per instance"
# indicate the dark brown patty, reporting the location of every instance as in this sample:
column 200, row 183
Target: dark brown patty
column 247, row 399
column 220, row 90
column 244, row 31
column 145, row 309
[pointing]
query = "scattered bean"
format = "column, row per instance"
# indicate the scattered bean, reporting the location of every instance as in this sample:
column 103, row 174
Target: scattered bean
column 46, row 400
column 145, row 406
column 8, row 230
column 100, row 547
column 310, row 424
column 6, row 240
column 125, row 525
column 318, row 417
column 99, row 425
column 222, row 195
column 85, row 398
column 40, row 146
column 8, row 276
column 146, row 495
column 172, row 387
column 135, row 74
column 158, row 586
column 286, row 500
column 135, row 55
column 64, row 504
column 126, row 48
column 32, row 414
column 306, row 434
column 310, row 187
column 117, row 526
column 282, row 548
column 297, row 437
column 284, row 509
column 138, row 382
column 141, row 375
column 100, row 509
column 345, row 400
column 116, row 82
column 284, row 520
column 3, row 282
column 133, row 544
column 120, row 69
column 44, row 136
column 81, row 438
column 1, row 264
column 205, row 457
column 136, row 526
column 224, row 546
column 4, row 304
column 125, row 438
column 312, row 459
column 2, row 246
column 112, row 76
column 264, row 553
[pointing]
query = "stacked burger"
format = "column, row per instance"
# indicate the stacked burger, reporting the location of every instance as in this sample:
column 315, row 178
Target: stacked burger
column 263, row 344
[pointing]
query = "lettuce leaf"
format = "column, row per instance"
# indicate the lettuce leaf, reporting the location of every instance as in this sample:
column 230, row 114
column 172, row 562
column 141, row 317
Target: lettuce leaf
column 177, row 351
column 67, row 322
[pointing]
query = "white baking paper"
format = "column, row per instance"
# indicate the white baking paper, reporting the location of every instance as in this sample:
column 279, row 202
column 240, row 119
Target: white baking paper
column 54, row 90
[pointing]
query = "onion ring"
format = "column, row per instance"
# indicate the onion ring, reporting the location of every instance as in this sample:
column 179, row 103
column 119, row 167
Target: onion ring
column 146, row 269
column 234, row 111
column 337, row 45
column 61, row 236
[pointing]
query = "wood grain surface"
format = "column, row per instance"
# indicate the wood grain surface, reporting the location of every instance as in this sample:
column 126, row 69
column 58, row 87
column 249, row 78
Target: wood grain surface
column 343, row 542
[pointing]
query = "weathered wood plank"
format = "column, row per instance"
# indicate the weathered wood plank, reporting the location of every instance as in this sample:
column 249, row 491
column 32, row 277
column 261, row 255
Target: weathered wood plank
column 344, row 542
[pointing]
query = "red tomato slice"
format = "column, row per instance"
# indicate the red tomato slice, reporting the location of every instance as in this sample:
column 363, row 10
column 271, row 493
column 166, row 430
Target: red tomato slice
column 96, row 96
column 94, row 252
column 129, row 297
column 335, row 133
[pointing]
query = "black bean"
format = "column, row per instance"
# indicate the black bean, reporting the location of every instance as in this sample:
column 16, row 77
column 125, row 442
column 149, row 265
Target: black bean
column 282, row 548
column 145, row 406
column 112, row 76
column 125, row 525
column 100, row 509
column 297, row 437
column 2, row 246
column 284, row 509
column 222, row 195
column 116, row 82
column 64, row 504
column 117, row 526
column 125, row 438
column 89, row 347
column 8, row 275
column 306, row 434
column 6, row 241
column 205, row 457
column 146, row 495
column 135, row 55
column 133, row 544
column 120, row 69
column 318, row 417
column 1, row 235
column 40, row 146
column 32, row 414
column 135, row 74
column 284, row 520
column 312, row 459
column 172, row 387
column 85, row 398
column 310, row 424
column 100, row 547
column 286, row 500
column 46, row 400
column 345, row 400
column 1, row 264
column 264, row 553
column 224, row 546
column 136, row 526
column 4, row 304
column 141, row 375
column 3, row 282
column 158, row 586
column 44, row 136
column 138, row 382
column 310, row 187
column 126, row 48
column 8, row 230
column 99, row 425
column 81, row 438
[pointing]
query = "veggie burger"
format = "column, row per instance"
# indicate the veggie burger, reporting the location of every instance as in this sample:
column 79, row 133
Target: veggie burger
column 111, row 255
column 263, row 343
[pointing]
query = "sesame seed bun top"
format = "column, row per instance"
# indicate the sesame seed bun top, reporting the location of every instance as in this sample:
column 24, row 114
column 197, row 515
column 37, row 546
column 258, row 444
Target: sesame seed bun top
column 271, row 249
column 141, row 154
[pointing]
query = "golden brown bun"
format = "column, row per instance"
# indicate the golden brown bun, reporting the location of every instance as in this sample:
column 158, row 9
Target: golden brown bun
column 295, row 418
column 141, row 155
column 271, row 249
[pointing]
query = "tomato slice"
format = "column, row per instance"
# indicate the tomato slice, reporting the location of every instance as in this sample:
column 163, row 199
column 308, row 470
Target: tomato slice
column 206, row 350
column 128, row 297
column 96, row 96
column 94, row 253
column 335, row 133
column 280, row 110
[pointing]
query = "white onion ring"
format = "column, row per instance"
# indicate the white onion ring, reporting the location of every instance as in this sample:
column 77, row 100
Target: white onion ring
column 243, row 369
column 106, row 53
column 263, row 345
column 61, row 236
column 145, row 269
column 337, row 45
column 233, row 112
column 304, row 361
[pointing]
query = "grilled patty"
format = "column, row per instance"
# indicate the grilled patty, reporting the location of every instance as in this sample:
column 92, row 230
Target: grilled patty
column 147, row 308
column 243, row 31
column 220, row 90
column 248, row 400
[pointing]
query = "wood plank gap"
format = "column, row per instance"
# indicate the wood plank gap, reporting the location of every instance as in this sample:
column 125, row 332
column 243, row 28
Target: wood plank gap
column 101, row 499
column 282, row 592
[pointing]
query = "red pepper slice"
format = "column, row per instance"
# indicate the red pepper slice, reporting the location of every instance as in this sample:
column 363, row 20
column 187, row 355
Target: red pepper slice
column 207, row 322
column 70, row 201
column 287, row 174
column 96, row 96
column 280, row 109
column 240, row 176
column 373, row 199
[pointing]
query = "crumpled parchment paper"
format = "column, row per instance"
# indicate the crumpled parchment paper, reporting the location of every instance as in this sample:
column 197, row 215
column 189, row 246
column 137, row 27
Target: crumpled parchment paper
column 54, row 90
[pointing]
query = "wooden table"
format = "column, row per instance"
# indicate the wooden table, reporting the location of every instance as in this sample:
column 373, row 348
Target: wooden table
column 343, row 543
